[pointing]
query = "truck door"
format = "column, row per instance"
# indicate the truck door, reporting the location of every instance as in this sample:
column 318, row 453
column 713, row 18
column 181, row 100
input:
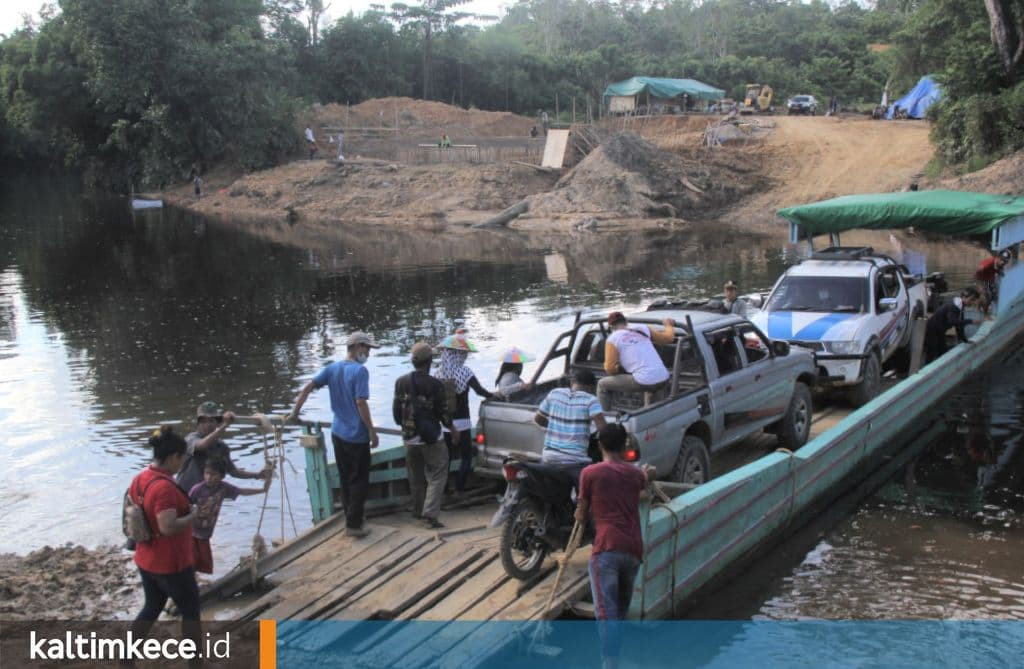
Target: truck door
column 769, row 379
column 892, row 322
column 728, row 389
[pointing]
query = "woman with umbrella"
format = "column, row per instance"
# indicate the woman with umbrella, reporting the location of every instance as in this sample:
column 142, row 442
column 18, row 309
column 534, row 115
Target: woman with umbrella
column 458, row 379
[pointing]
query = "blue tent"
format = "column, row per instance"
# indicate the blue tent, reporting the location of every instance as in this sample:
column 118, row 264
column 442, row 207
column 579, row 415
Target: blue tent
column 918, row 100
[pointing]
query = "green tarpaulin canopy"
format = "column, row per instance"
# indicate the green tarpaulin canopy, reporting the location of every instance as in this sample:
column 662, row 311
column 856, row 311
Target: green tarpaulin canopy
column 944, row 211
column 659, row 87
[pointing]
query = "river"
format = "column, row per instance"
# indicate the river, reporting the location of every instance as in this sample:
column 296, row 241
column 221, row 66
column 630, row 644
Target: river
column 112, row 324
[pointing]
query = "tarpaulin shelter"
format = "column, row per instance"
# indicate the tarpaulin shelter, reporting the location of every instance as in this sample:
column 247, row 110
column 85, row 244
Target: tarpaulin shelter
column 939, row 211
column 918, row 100
column 659, row 87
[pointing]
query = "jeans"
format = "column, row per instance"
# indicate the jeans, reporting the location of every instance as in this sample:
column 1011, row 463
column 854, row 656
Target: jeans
column 353, row 462
column 464, row 451
column 612, row 575
column 427, row 465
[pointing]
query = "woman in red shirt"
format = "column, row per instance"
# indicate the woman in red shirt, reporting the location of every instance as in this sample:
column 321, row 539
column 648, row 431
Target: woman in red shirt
column 165, row 562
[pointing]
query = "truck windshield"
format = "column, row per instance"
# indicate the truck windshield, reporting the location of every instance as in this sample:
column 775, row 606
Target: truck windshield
column 819, row 293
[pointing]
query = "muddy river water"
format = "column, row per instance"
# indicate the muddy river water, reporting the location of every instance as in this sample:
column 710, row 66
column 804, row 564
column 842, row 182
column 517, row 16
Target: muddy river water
column 111, row 324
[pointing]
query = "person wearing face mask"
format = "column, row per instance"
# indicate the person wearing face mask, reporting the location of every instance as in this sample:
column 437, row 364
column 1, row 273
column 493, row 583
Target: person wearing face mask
column 352, row 431
column 458, row 379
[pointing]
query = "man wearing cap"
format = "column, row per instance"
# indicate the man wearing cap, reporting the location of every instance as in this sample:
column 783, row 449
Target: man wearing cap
column 631, row 361
column 352, row 431
column 732, row 304
column 566, row 414
column 421, row 407
column 206, row 443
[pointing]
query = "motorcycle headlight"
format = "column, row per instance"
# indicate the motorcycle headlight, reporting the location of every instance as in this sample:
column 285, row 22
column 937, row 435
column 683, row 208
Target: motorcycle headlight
column 843, row 347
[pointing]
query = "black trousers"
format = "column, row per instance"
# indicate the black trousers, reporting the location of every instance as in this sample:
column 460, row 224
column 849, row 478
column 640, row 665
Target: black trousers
column 460, row 448
column 353, row 462
column 183, row 590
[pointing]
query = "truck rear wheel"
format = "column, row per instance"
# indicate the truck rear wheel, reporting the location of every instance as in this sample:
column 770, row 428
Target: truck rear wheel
column 795, row 427
column 693, row 464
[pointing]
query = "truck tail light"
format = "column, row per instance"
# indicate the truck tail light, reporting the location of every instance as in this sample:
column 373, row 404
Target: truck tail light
column 481, row 438
column 632, row 455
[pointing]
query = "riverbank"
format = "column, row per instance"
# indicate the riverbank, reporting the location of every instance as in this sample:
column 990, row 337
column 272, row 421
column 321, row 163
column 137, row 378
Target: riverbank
column 69, row 583
column 647, row 174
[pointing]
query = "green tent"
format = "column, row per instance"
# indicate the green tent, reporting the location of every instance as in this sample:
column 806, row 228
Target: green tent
column 943, row 211
column 660, row 87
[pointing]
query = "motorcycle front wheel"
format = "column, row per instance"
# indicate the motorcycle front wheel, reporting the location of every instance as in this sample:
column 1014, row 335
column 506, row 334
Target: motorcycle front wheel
column 522, row 552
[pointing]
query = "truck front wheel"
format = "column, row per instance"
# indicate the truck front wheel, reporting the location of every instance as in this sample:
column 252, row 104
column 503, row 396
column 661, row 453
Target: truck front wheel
column 795, row 427
column 693, row 464
column 870, row 384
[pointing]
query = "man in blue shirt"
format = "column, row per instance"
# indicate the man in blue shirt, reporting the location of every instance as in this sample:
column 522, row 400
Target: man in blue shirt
column 566, row 415
column 352, row 431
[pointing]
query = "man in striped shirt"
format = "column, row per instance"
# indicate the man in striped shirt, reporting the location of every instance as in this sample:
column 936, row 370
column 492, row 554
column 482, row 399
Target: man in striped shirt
column 566, row 414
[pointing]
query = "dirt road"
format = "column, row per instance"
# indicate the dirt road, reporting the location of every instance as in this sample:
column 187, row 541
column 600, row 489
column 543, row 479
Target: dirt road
column 815, row 158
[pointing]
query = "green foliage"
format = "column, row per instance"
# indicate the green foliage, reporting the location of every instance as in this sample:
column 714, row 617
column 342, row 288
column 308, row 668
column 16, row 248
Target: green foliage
column 981, row 117
column 147, row 88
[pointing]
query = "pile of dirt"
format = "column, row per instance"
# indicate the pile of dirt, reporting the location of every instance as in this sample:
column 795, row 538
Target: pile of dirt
column 424, row 118
column 627, row 177
column 1002, row 177
column 68, row 582
column 369, row 191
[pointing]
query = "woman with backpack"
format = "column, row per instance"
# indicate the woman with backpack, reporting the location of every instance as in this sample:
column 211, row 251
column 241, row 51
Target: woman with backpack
column 164, row 558
column 457, row 380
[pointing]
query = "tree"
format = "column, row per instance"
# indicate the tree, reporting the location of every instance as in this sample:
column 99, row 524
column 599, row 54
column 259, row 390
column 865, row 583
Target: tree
column 1007, row 20
column 429, row 17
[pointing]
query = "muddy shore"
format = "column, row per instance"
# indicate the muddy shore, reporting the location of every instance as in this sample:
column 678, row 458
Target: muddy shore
column 69, row 583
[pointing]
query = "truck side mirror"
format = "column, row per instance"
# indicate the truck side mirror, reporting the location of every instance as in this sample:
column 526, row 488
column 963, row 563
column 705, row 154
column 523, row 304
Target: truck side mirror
column 780, row 348
column 887, row 303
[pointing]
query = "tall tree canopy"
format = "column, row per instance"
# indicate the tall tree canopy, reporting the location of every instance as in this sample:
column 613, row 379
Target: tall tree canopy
column 146, row 88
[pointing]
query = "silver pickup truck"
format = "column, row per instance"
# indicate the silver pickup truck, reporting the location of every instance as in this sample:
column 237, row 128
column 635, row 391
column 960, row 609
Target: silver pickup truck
column 728, row 380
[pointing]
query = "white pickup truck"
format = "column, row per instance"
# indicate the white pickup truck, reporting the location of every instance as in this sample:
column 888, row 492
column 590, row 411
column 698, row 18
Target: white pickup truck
column 727, row 381
column 853, row 308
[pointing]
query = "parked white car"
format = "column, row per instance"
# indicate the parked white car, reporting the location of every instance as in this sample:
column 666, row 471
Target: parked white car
column 853, row 309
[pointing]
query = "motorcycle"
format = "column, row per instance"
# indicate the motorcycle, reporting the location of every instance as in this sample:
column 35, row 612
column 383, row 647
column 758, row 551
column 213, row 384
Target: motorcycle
column 537, row 512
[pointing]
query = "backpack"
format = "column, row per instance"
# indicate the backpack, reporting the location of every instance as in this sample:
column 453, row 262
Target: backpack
column 451, row 396
column 133, row 518
column 418, row 415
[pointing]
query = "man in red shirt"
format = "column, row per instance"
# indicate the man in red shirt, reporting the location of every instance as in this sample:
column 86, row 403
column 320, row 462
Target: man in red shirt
column 610, row 494
column 988, row 270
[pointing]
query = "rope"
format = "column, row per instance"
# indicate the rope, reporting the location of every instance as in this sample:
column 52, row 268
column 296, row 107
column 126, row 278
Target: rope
column 575, row 538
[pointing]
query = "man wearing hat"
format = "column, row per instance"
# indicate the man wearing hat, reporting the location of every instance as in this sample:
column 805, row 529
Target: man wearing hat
column 630, row 359
column 732, row 304
column 206, row 443
column 421, row 407
column 352, row 431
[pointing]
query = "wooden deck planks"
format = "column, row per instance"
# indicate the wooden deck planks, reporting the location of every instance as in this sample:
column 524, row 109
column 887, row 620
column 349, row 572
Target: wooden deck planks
column 477, row 588
column 348, row 574
column 408, row 582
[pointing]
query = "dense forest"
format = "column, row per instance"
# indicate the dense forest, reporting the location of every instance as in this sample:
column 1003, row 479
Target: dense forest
column 140, row 90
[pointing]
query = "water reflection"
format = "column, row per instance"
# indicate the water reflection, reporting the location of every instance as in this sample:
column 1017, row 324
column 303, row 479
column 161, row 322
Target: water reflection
column 941, row 540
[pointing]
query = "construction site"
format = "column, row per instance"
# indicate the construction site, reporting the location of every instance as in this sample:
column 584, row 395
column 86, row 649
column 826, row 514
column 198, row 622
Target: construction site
column 617, row 173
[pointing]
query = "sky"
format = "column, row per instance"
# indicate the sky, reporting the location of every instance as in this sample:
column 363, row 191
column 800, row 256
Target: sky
column 11, row 10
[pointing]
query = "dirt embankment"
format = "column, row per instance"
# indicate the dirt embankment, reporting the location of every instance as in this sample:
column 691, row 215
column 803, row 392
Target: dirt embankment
column 68, row 583
column 665, row 178
column 420, row 118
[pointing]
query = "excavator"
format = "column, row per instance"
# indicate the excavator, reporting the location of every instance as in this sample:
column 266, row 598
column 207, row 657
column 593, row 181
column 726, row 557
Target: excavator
column 758, row 99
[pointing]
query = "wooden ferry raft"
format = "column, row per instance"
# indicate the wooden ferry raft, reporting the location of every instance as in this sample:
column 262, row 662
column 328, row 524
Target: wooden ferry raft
column 403, row 571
